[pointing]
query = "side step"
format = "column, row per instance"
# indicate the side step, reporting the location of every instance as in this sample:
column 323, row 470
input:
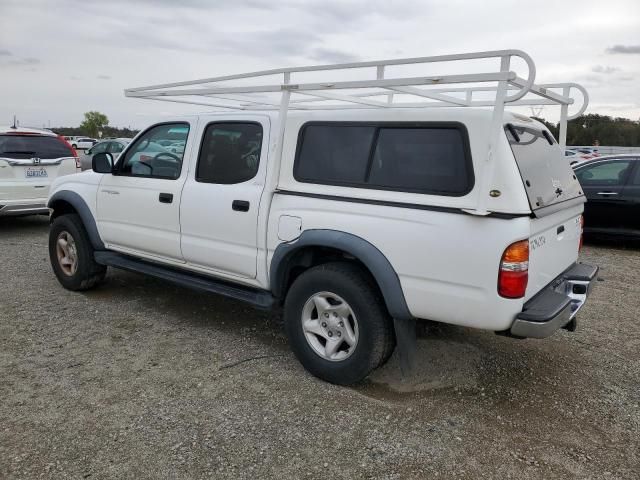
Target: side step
column 258, row 298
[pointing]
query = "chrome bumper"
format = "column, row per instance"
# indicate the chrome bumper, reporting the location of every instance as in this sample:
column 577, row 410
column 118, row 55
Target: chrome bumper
column 556, row 305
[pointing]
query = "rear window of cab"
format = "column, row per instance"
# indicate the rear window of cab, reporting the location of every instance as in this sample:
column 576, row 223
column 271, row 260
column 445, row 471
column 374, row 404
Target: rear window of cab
column 428, row 158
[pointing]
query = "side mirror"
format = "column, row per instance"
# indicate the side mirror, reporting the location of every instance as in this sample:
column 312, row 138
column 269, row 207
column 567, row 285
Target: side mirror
column 102, row 163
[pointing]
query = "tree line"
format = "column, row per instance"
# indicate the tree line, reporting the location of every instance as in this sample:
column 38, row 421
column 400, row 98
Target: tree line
column 597, row 129
column 93, row 124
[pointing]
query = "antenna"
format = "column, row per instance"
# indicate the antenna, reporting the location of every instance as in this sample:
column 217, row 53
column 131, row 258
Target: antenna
column 536, row 111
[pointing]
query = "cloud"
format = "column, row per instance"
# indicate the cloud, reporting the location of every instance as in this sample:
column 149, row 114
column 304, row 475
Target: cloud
column 4, row 52
column 627, row 49
column 24, row 61
column 330, row 55
column 103, row 77
column 604, row 69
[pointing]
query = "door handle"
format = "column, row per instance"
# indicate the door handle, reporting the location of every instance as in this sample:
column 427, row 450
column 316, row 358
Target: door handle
column 607, row 193
column 240, row 205
column 165, row 197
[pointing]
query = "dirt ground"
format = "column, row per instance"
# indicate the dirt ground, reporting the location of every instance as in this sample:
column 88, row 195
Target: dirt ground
column 141, row 379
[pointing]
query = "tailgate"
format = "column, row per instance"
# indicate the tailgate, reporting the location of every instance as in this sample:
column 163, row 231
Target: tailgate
column 24, row 179
column 30, row 161
column 553, row 246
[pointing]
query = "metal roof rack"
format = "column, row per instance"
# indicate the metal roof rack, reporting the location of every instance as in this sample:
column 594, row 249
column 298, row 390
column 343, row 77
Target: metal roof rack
column 497, row 89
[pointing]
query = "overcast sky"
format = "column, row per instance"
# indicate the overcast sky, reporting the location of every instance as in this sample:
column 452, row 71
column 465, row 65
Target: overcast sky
column 61, row 58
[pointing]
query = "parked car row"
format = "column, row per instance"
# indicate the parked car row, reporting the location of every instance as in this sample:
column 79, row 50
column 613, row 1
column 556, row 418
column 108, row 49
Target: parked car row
column 112, row 146
column 581, row 154
column 81, row 143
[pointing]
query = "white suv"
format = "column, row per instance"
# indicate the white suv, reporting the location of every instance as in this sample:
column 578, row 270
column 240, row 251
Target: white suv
column 83, row 143
column 30, row 160
column 353, row 219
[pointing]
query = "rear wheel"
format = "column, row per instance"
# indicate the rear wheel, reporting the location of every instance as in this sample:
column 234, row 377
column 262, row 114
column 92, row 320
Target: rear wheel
column 337, row 324
column 71, row 254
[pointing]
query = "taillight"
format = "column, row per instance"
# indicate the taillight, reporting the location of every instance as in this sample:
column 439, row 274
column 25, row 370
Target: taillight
column 581, row 231
column 514, row 270
column 73, row 150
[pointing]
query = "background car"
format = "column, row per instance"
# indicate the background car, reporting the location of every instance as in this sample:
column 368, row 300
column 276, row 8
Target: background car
column 591, row 151
column 30, row 159
column 612, row 187
column 114, row 147
column 83, row 143
column 578, row 155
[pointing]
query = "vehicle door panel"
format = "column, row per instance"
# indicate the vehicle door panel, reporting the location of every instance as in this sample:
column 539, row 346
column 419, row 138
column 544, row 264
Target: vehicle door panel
column 603, row 184
column 139, row 205
column 219, row 205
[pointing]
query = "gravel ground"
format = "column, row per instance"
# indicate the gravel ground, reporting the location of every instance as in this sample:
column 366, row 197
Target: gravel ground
column 141, row 379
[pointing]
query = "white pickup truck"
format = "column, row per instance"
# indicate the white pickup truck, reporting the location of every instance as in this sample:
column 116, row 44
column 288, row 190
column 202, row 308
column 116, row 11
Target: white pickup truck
column 349, row 211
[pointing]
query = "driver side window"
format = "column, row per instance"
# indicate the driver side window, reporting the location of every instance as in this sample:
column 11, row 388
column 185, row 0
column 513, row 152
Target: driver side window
column 148, row 156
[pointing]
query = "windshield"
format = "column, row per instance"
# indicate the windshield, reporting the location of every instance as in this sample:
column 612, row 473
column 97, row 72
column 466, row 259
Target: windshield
column 30, row 146
column 546, row 174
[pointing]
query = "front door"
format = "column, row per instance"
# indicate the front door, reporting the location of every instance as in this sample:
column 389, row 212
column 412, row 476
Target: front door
column 139, row 204
column 219, row 207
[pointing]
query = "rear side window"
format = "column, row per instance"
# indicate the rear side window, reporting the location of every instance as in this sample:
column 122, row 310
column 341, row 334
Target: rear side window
column 422, row 158
column 334, row 154
column 230, row 153
column 609, row 174
column 30, row 146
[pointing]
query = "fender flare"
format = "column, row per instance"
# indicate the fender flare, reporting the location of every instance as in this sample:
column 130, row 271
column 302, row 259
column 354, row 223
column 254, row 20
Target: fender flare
column 379, row 266
column 80, row 206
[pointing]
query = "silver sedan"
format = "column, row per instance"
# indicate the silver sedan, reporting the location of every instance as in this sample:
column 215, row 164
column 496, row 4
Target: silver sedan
column 114, row 147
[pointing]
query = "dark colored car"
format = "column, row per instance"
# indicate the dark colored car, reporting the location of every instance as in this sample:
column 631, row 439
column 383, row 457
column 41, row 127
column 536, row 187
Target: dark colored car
column 612, row 187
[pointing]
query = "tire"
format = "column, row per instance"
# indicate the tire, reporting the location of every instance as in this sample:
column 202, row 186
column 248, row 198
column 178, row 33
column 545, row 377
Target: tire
column 77, row 270
column 344, row 296
column 75, row 147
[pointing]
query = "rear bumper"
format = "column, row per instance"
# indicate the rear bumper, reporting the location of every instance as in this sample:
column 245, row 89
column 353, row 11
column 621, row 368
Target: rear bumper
column 557, row 304
column 23, row 207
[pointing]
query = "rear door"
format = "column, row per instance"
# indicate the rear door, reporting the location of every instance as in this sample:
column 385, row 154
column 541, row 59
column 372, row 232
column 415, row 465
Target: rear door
column 139, row 205
column 220, row 200
column 29, row 163
column 603, row 182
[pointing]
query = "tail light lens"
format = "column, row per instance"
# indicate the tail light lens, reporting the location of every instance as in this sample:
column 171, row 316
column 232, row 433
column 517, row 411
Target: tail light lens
column 514, row 270
column 73, row 150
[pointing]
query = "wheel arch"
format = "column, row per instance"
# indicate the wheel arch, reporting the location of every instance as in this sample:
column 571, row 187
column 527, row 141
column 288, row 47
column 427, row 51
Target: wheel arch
column 65, row 202
column 290, row 256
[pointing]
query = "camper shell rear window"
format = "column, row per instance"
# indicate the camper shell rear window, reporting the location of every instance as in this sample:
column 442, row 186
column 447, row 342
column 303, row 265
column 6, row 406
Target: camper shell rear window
column 547, row 176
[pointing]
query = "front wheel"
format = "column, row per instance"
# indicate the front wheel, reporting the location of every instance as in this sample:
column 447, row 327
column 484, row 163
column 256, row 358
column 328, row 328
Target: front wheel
column 337, row 324
column 71, row 254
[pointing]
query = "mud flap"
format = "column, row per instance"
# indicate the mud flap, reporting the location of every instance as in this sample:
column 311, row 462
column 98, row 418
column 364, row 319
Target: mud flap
column 406, row 344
